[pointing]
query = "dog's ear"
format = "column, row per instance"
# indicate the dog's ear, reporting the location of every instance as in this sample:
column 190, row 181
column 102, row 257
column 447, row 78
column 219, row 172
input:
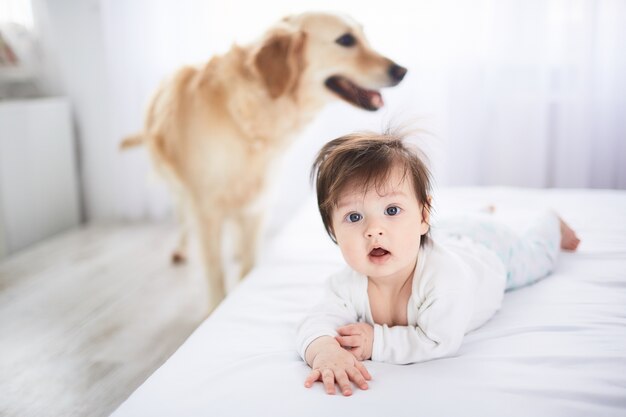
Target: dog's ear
column 280, row 62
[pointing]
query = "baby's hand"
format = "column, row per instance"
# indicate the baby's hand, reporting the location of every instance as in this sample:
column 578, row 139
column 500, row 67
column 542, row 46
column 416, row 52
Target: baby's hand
column 332, row 363
column 358, row 339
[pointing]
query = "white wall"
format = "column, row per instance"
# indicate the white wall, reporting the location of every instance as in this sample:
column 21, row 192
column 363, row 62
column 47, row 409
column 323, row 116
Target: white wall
column 38, row 192
column 72, row 38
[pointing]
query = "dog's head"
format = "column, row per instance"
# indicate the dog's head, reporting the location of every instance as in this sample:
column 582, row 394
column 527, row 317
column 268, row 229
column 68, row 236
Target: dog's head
column 326, row 55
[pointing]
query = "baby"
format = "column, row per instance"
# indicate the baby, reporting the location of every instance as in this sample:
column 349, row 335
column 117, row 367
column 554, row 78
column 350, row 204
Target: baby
column 406, row 296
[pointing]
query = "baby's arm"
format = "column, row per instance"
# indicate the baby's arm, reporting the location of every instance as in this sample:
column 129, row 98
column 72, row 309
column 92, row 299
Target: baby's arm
column 329, row 362
column 442, row 323
column 410, row 344
column 318, row 347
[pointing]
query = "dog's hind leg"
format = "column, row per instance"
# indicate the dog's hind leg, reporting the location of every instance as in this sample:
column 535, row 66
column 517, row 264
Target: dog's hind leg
column 179, row 255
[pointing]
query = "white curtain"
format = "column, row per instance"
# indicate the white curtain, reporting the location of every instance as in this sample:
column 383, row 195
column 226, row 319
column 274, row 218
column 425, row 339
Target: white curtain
column 514, row 92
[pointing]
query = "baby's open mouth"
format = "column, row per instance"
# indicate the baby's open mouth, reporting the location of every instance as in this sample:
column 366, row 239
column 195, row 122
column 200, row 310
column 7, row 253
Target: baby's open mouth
column 377, row 252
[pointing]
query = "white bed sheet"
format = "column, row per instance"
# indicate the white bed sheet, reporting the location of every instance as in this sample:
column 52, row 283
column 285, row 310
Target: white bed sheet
column 556, row 348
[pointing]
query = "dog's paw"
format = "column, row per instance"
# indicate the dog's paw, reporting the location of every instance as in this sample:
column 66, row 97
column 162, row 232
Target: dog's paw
column 178, row 258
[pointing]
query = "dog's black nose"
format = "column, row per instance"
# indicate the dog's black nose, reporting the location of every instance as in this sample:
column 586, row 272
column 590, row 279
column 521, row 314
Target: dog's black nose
column 396, row 72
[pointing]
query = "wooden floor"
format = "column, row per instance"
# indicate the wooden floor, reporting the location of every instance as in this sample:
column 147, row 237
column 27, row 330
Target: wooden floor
column 86, row 317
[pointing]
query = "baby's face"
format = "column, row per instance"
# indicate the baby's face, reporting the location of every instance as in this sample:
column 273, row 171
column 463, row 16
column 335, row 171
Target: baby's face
column 379, row 234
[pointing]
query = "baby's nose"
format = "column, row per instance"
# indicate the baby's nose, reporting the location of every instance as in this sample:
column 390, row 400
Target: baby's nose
column 373, row 230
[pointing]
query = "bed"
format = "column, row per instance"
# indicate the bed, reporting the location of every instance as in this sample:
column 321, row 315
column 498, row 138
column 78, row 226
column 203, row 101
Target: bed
column 556, row 348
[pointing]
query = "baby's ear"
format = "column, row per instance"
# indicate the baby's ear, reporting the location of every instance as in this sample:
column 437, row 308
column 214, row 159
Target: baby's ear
column 331, row 233
column 426, row 215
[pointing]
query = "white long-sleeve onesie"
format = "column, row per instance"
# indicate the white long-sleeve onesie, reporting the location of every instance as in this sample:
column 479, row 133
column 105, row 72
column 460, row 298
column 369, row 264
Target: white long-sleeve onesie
column 458, row 285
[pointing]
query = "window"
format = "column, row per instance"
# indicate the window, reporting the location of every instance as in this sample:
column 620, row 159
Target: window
column 16, row 11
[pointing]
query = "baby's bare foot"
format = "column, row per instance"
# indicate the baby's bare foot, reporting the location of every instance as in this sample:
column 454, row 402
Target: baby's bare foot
column 569, row 240
column 488, row 209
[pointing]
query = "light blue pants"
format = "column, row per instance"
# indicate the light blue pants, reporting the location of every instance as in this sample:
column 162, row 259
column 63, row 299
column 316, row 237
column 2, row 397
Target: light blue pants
column 528, row 256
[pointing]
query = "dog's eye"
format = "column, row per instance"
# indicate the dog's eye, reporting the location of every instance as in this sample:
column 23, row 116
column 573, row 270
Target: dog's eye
column 346, row 40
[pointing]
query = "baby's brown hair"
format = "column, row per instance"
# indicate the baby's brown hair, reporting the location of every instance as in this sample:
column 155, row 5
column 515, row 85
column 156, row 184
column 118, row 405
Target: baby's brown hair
column 365, row 160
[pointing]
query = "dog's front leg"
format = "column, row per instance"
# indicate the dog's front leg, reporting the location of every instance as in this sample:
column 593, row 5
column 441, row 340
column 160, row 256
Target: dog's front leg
column 209, row 227
column 249, row 226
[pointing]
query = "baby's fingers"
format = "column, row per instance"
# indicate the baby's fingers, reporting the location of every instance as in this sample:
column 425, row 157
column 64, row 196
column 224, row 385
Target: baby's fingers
column 344, row 383
column 357, row 378
column 363, row 370
column 349, row 341
column 328, row 378
column 358, row 353
column 348, row 330
column 314, row 375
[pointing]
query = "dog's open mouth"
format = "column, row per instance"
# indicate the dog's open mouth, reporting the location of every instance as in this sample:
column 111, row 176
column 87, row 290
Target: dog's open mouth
column 352, row 93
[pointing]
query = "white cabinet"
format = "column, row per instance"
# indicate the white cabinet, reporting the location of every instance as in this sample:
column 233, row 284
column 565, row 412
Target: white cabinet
column 38, row 173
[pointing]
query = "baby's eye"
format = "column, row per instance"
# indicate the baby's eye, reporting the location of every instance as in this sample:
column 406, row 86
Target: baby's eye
column 392, row 211
column 353, row 217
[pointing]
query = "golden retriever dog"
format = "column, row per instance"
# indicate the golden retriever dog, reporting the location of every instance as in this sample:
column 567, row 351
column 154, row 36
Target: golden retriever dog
column 213, row 131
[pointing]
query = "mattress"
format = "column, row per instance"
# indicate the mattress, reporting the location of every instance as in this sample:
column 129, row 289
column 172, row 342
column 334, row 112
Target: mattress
column 556, row 348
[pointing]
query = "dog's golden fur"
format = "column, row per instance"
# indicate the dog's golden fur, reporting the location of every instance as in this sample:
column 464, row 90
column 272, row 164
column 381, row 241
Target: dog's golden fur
column 214, row 131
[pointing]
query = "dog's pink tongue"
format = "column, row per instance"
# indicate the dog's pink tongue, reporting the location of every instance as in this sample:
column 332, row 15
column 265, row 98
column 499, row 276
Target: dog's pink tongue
column 378, row 252
column 376, row 99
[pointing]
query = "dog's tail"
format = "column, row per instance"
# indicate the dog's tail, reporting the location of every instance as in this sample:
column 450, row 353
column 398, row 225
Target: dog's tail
column 132, row 141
